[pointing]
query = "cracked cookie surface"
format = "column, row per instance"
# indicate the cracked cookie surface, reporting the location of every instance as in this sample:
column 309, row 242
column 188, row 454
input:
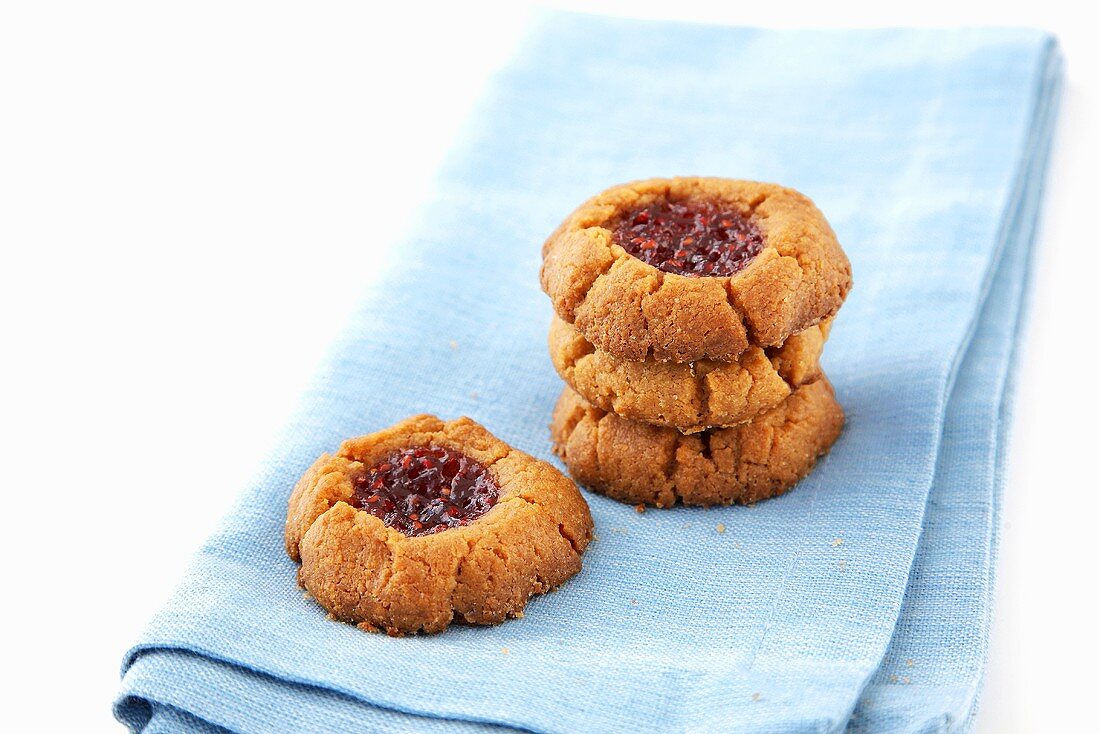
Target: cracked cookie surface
column 368, row 573
column 639, row 463
column 636, row 311
column 688, row 397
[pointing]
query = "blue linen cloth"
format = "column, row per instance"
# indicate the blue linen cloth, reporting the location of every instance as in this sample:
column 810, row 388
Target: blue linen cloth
column 860, row 600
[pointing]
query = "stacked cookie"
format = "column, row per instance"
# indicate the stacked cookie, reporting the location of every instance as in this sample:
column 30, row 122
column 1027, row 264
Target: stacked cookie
column 690, row 318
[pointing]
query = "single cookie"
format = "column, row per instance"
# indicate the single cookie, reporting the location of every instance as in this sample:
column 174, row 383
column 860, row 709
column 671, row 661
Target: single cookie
column 639, row 463
column 689, row 397
column 684, row 269
column 426, row 521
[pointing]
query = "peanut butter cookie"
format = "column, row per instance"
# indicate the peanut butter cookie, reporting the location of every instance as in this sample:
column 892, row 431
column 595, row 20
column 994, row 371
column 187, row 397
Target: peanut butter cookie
column 685, row 269
column 639, row 463
column 428, row 521
column 689, row 397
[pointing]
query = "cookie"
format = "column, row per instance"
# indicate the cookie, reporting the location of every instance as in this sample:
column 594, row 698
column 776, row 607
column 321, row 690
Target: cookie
column 638, row 463
column 688, row 397
column 427, row 522
column 686, row 269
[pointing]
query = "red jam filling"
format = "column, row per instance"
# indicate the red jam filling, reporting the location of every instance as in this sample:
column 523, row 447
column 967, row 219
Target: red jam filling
column 425, row 490
column 699, row 238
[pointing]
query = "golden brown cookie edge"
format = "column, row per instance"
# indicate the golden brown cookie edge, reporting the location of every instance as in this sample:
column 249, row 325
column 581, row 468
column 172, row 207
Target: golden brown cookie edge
column 688, row 397
column 637, row 463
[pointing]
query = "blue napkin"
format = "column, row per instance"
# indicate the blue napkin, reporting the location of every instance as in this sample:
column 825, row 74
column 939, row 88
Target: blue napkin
column 860, row 600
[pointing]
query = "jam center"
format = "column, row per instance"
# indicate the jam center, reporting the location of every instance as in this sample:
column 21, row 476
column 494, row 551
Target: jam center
column 426, row 490
column 689, row 237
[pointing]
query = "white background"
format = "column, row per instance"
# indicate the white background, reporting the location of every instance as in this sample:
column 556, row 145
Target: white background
column 192, row 197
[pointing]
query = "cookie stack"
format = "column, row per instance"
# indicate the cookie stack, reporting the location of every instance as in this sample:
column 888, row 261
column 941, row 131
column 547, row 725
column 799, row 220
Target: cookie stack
column 690, row 318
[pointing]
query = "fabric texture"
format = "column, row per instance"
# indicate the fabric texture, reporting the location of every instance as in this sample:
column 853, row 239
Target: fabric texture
column 860, row 600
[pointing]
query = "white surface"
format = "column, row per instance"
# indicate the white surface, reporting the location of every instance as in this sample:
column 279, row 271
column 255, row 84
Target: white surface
column 193, row 197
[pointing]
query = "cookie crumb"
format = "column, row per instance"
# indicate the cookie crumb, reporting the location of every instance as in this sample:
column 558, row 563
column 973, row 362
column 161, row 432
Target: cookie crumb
column 838, row 542
column 454, row 344
column 756, row 696
column 633, row 601
column 639, row 508
column 909, row 663
column 518, row 615
column 893, row 679
column 905, row 680
column 720, row 528
column 504, row 651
